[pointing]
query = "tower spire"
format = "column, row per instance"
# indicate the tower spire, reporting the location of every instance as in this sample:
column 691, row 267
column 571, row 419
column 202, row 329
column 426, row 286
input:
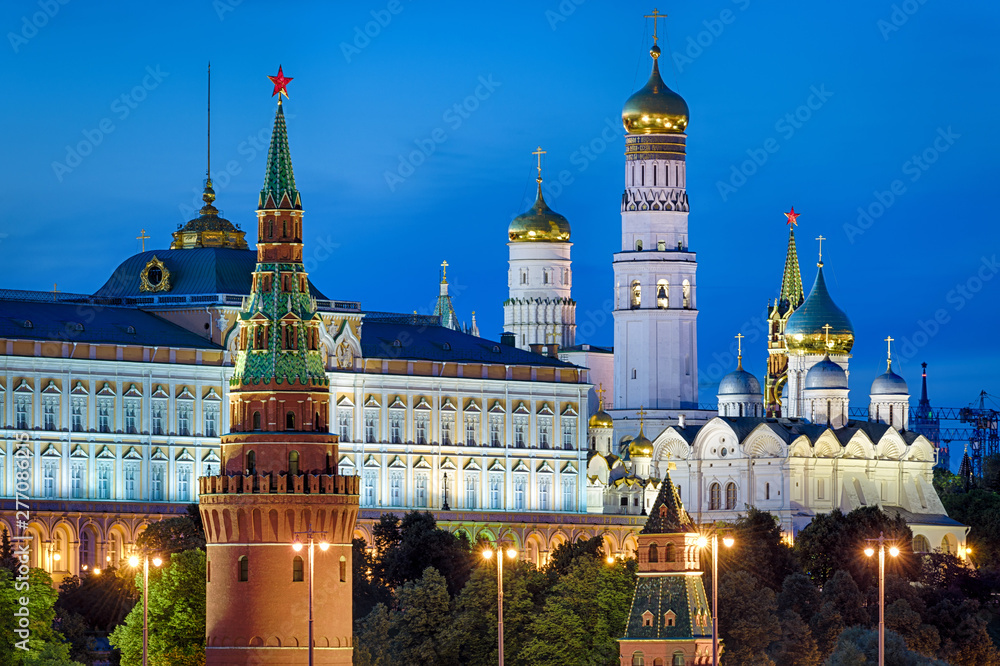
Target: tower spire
column 923, row 387
column 208, row 168
column 279, row 182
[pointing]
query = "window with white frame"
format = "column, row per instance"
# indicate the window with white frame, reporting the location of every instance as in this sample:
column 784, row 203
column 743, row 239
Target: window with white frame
column 395, row 488
column 76, row 473
column 396, row 426
column 544, row 431
column 78, row 409
column 105, row 414
column 421, row 481
column 345, row 423
column 369, row 488
column 159, row 410
column 520, row 427
column 496, row 491
column 371, row 425
column 49, row 468
column 544, row 492
column 520, row 485
column 471, row 429
column 211, row 469
column 423, row 426
column 471, row 491
column 496, row 430
column 211, row 410
column 22, row 411
column 104, row 480
column 569, row 494
column 130, row 471
column 157, row 473
column 447, row 429
column 132, row 409
column 50, row 411
column 568, row 433
column 185, row 409
column 183, row 483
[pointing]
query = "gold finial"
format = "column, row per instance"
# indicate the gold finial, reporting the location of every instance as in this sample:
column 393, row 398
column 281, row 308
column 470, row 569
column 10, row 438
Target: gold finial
column 55, row 288
column 600, row 393
column 826, row 330
column 820, row 238
column 889, row 354
column 739, row 352
column 142, row 237
column 642, row 414
column 539, row 152
column 444, row 271
column 656, row 15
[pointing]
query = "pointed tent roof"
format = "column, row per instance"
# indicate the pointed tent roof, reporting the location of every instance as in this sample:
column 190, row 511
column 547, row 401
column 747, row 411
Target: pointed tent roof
column 279, row 181
column 444, row 308
column 667, row 515
column 792, row 294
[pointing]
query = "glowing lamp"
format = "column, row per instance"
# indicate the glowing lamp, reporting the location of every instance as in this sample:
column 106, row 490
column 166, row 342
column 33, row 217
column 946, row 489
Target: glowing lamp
column 611, row 559
column 323, row 545
column 57, row 557
column 97, row 571
column 85, row 567
column 297, row 546
column 728, row 541
column 894, row 551
column 108, row 558
column 157, row 561
column 133, row 561
column 488, row 554
column 511, row 553
column 869, row 551
column 702, row 542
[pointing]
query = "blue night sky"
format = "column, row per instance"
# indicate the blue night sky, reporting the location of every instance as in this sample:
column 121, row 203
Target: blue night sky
column 898, row 97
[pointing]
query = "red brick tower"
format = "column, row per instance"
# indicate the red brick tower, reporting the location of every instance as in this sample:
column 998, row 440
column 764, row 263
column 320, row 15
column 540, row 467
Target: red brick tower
column 279, row 475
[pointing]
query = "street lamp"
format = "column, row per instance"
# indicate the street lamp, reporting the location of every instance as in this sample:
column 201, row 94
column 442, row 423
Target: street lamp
column 728, row 542
column 869, row 551
column 133, row 561
column 488, row 554
column 297, row 546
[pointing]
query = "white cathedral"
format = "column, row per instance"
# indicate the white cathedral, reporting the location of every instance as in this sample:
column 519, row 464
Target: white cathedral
column 117, row 398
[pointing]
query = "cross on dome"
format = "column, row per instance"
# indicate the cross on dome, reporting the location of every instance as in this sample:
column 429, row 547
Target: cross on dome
column 539, row 152
column 820, row 238
column 656, row 16
column 739, row 350
column 142, row 237
column 888, row 341
column 826, row 330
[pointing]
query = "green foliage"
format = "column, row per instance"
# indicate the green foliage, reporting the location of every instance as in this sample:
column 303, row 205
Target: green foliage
column 798, row 594
column 171, row 535
column 964, row 639
column 758, row 549
column 422, row 622
column 843, row 593
column 858, row 645
column 46, row 646
column 103, row 600
column 947, row 483
column 979, row 509
column 748, row 622
column 902, row 619
column 797, row 645
column 826, row 626
column 563, row 555
column 176, row 615
column 405, row 548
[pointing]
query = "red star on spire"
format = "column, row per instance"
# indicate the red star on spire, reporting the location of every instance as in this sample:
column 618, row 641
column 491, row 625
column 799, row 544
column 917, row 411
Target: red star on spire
column 792, row 216
column 280, row 84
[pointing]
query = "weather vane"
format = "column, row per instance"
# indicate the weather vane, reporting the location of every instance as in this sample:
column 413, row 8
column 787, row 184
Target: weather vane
column 280, row 84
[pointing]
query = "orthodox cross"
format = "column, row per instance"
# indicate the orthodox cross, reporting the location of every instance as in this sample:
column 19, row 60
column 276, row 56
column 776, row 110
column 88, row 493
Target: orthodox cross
column 142, row 237
column 600, row 393
column 539, row 152
column 889, row 352
column 641, row 413
column 55, row 288
column 444, row 271
column 739, row 347
column 820, row 238
column 826, row 330
column 656, row 16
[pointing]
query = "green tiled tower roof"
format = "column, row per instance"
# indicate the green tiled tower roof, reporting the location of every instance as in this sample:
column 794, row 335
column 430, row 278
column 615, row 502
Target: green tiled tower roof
column 684, row 596
column 791, row 295
column 279, row 181
column 667, row 515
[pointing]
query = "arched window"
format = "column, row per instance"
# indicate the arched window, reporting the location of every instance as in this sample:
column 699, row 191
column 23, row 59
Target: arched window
column 256, row 420
column 290, row 421
column 678, row 659
column 661, row 246
column 714, row 497
column 921, row 544
column 85, row 549
column 730, row 496
column 662, row 294
column 293, row 462
column 638, row 659
column 767, row 491
column 244, row 569
column 343, row 569
column 251, row 462
column 686, row 294
column 638, row 246
column 284, row 228
column 270, row 228
column 654, row 553
column 669, row 553
column 636, row 294
column 298, row 570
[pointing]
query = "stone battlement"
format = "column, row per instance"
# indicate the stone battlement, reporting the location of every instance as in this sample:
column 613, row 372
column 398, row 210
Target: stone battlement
column 299, row 484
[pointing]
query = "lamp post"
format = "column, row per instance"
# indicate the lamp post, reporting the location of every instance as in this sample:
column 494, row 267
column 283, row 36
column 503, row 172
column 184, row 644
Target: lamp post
column 309, row 532
column 133, row 561
column 870, row 551
column 488, row 554
column 728, row 543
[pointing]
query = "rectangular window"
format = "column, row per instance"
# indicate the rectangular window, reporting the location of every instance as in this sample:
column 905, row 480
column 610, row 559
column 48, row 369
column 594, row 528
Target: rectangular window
column 211, row 419
column 131, row 472
column 183, row 483
column 22, row 412
column 344, row 423
column 544, row 486
column 471, row 491
column 544, row 429
column 420, row 490
column 447, row 428
column 50, row 405
column 159, row 409
column 496, row 430
column 49, row 478
column 421, row 429
column 79, row 410
column 132, row 408
column 371, row 419
column 158, row 471
column 184, row 410
column 471, row 426
column 820, row 489
column 519, row 435
column 569, row 434
column 396, row 427
column 569, row 495
column 76, row 480
column 519, row 484
column 496, row 490
column 105, row 414
column 396, row 489
column 103, row 481
column 368, row 489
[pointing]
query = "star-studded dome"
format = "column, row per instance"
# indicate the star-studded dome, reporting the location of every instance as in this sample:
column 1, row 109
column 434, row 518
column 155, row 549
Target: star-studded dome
column 739, row 382
column 655, row 109
column 826, row 375
column 601, row 419
column 539, row 224
column 889, row 383
column 805, row 332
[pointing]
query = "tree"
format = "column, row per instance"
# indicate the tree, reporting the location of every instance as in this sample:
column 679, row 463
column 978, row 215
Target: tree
column 373, row 643
column 797, row 645
column 8, row 560
column 964, row 639
column 843, row 593
column 103, row 600
column 368, row 590
column 902, row 619
column 171, row 535
column 826, row 626
column 563, row 555
column 979, row 509
column 748, row 622
column 176, row 615
column 758, row 549
column 859, row 645
column 798, row 594
column 44, row 644
column 404, row 549
column 422, row 621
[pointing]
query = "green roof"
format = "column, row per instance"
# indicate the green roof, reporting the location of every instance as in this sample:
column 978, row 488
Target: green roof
column 279, row 181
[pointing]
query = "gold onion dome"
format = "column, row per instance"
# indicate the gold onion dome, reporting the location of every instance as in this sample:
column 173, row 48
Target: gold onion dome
column 818, row 326
column 640, row 446
column 601, row 419
column 655, row 109
column 539, row 224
